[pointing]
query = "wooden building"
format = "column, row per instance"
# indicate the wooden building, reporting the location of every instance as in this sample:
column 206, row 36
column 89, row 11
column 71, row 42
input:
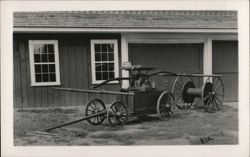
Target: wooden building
column 77, row 49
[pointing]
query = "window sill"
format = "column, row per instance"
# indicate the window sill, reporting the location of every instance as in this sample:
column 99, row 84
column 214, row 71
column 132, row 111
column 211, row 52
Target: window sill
column 99, row 82
column 45, row 84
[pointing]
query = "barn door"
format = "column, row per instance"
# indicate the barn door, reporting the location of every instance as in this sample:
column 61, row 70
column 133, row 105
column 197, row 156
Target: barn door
column 225, row 61
column 183, row 58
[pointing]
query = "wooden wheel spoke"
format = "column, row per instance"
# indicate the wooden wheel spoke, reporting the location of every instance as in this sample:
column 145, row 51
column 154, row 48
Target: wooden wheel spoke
column 207, row 96
column 178, row 88
column 213, row 103
column 216, row 86
column 118, row 119
column 123, row 117
column 167, row 115
column 216, row 104
column 183, row 79
column 179, row 85
column 208, row 102
column 122, row 108
column 97, row 118
column 89, row 110
column 218, row 100
column 92, row 107
column 221, row 95
column 94, row 104
column 113, row 109
column 178, row 93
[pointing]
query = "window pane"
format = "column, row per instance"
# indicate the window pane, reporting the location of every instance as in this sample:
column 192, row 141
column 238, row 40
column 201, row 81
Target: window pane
column 50, row 48
column 44, row 58
column 98, row 76
column 110, row 47
column 45, row 68
column 52, row 68
column 38, row 78
column 98, row 67
column 98, row 57
column 97, row 47
column 38, row 48
column 37, row 58
column 111, row 75
column 104, row 56
column 105, row 67
column 111, row 56
column 45, row 78
column 51, row 58
column 104, row 47
column 111, row 67
column 52, row 77
column 105, row 75
column 38, row 68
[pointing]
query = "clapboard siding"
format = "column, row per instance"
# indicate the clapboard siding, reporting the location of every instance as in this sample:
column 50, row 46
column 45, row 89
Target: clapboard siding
column 225, row 61
column 18, row 100
column 23, row 72
column 75, row 71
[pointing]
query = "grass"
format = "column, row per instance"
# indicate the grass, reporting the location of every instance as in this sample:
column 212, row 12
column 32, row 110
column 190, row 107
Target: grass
column 184, row 128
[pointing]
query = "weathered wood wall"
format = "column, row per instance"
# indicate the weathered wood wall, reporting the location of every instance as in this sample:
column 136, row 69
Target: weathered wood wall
column 75, row 71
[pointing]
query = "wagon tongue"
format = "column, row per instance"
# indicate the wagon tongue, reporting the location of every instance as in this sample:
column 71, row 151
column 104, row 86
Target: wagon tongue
column 45, row 133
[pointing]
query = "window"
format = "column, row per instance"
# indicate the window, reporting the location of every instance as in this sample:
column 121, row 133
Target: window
column 104, row 60
column 44, row 62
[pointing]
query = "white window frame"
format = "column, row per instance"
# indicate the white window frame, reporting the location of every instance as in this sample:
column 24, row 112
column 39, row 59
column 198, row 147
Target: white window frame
column 32, row 63
column 116, row 61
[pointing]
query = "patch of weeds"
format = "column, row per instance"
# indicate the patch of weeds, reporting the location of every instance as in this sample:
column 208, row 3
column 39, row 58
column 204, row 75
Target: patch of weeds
column 143, row 127
column 61, row 140
column 218, row 133
column 103, row 142
column 84, row 144
column 81, row 135
column 104, row 136
column 125, row 139
column 46, row 110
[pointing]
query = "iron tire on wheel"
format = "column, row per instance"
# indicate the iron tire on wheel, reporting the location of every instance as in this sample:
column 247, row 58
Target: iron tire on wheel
column 165, row 105
column 212, row 94
column 177, row 90
column 117, row 114
column 95, row 106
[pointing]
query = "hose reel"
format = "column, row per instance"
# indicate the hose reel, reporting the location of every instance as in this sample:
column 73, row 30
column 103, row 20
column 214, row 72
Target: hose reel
column 211, row 93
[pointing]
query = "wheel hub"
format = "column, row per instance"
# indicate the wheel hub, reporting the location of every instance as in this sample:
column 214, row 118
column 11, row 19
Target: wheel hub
column 118, row 113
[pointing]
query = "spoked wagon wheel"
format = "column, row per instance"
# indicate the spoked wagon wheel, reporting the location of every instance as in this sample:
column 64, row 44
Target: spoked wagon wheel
column 95, row 106
column 181, row 84
column 165, row 105
column 212, row 94
column 118, row 114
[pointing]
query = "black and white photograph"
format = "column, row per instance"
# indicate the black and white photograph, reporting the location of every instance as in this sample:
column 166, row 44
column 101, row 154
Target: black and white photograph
column 100, row 77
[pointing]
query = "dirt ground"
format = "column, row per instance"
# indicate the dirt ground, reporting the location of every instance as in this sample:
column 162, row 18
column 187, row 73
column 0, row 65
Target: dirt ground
column 186, row 127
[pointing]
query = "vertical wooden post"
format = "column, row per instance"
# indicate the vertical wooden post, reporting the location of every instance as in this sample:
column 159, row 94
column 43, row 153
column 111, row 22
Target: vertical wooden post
column 124, row 58
column 207, row 58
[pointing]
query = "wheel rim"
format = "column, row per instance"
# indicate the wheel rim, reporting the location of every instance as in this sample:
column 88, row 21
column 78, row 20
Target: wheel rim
column 95, row 106
column 177, row 91
column 165, row 105
column 118, row 114
column 213, row 100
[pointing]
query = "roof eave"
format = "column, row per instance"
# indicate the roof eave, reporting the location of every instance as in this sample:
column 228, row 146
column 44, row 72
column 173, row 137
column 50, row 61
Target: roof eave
column 118, row 30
